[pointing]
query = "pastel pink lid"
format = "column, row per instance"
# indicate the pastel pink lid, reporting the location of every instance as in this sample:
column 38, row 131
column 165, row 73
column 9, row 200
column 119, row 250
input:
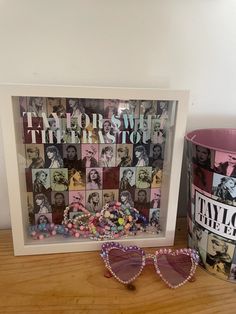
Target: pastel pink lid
column 216, row 139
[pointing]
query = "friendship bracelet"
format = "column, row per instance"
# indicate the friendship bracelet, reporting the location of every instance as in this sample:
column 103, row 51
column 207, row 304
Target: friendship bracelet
column 114, row 221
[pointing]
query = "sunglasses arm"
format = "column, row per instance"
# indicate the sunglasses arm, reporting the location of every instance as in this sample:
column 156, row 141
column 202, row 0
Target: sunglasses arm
column 107, row 273
column 192, row 279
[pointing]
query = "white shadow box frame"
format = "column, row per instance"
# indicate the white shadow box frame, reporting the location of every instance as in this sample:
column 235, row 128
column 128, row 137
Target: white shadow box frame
column 14, row 150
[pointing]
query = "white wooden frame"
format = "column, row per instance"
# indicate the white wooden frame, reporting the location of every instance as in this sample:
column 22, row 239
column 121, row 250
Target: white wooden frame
column 12, row 148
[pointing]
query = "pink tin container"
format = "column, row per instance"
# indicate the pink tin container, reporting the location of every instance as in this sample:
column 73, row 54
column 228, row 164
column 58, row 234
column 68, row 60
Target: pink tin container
column 211, row 157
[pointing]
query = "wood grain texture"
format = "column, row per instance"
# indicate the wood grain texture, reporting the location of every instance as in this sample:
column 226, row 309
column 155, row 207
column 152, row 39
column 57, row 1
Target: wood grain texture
column 74, row 283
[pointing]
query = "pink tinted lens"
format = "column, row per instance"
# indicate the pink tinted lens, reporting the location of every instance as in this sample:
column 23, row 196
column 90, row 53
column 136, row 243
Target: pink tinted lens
column 125, row 264
column 175, row 269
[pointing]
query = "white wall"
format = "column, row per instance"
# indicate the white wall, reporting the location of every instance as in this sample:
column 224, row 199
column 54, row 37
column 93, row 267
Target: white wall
column 188, row 44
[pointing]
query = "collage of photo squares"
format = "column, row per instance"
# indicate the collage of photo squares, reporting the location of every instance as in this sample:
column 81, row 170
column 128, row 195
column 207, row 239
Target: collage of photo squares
column 213, row 173
column 92, row 152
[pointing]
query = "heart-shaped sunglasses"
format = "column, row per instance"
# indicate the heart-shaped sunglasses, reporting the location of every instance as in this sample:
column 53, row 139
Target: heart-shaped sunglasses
column 175, row 267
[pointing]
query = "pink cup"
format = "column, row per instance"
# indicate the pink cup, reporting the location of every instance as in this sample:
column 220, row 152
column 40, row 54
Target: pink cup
column 211, row 157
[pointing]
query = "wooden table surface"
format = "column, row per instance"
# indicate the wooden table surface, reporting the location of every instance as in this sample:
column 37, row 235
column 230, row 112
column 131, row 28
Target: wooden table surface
column 74, row 283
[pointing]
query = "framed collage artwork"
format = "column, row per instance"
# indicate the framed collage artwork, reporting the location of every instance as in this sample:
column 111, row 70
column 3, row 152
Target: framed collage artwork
column 86, row 165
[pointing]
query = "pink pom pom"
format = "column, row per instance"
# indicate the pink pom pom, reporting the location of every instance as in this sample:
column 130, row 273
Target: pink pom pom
column 54, row 232
column 41, row 237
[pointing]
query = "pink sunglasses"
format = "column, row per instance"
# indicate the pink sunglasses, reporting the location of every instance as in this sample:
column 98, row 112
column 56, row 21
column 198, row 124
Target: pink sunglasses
column 175, row 267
